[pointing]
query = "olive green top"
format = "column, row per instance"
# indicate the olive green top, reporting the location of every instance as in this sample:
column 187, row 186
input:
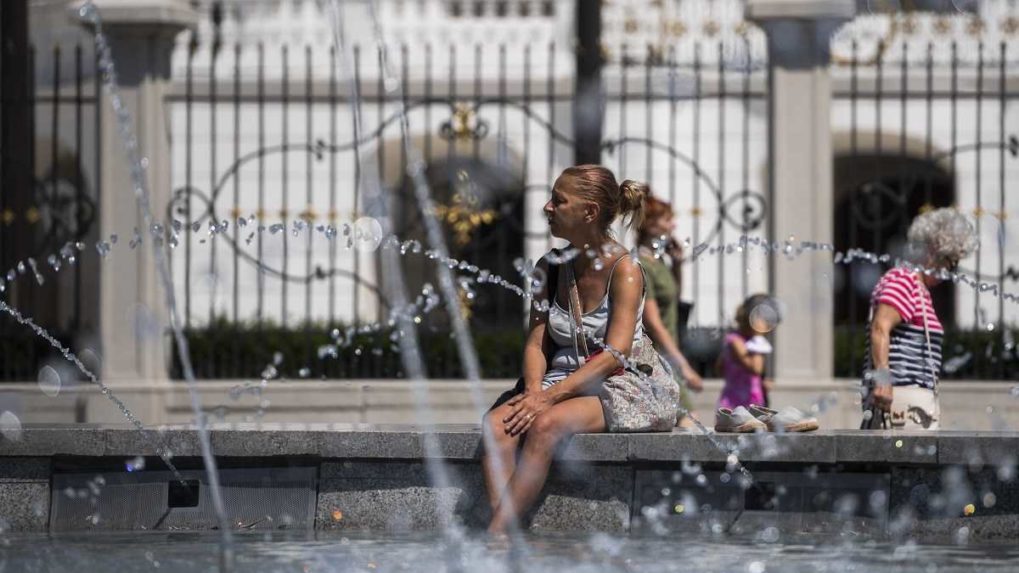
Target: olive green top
column 662, row 288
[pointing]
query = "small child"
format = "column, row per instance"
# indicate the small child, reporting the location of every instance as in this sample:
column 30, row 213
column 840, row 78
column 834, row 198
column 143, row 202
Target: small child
column 744, row 351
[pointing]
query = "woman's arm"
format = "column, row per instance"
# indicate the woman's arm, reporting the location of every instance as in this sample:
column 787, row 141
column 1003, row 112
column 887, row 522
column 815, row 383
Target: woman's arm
column 538, row 343
column 659, row 333
column 885, row 319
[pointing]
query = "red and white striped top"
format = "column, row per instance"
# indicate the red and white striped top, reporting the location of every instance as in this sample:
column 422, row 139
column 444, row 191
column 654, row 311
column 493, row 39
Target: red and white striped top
column 900, row 289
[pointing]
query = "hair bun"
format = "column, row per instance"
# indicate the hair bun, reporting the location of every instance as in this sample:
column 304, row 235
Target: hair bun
column 632, row 195
column 631, row 200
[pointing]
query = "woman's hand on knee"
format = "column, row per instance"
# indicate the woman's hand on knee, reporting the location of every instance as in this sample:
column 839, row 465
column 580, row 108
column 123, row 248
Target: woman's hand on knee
column 524, row 408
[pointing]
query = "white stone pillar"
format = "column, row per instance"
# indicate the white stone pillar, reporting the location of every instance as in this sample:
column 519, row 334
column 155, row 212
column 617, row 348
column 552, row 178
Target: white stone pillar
column 133, row 317
column 801, row 175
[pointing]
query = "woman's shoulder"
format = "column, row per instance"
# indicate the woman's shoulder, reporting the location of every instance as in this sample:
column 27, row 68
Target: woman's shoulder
column 898, row 277
column 627, row 264
column 898, row 273
column 626, row 276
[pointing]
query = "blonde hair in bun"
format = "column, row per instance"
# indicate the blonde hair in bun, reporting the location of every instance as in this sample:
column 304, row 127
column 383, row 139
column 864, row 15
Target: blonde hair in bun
column 632, row 195
column 598, row 185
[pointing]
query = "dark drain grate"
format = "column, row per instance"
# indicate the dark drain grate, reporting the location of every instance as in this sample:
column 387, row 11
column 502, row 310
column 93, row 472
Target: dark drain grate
column 258, row 498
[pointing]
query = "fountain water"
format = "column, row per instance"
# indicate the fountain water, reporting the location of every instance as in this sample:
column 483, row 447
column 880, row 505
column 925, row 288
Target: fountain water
column 139, row 179
column 410, row 350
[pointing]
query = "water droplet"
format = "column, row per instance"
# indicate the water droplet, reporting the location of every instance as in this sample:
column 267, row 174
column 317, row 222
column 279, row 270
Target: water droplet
column 538, row 278
column 10, row 426
column 49, row 381
column 136, row 239
column 764, row 317
column 135, row 464
column 275, row 228
column 367, row 234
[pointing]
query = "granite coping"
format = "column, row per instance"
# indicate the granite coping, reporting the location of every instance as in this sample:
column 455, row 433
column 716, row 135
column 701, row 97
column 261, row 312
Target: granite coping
column 463, row 442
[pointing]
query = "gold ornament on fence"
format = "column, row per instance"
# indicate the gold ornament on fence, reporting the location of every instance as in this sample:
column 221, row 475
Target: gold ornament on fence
column 1010, row 25
column 465, row 305
column 464, row 124
column 462, row 215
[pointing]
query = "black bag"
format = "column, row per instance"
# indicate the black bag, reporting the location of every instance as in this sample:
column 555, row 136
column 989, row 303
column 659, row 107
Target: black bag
column 878, row 420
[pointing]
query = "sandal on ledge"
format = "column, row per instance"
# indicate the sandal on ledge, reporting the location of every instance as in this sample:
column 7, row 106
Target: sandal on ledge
column 788, row 419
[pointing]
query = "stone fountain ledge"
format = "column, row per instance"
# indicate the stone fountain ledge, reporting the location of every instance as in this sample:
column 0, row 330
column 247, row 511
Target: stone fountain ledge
column 375, row 477
column 463, row 443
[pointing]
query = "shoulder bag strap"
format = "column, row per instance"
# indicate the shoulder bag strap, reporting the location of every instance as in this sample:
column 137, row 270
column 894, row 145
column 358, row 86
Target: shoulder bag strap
column 580, row 340
column 927, row 335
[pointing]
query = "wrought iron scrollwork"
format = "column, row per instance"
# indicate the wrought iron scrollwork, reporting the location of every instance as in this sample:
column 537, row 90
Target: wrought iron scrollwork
column 745, row 210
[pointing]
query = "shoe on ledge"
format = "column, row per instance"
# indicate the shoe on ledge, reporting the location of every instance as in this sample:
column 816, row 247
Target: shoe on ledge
column 788, row 419
column 737, row 421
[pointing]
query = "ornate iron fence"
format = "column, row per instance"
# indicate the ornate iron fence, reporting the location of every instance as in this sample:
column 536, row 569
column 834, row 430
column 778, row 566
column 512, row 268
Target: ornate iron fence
column 494, row 124
column 49, row 165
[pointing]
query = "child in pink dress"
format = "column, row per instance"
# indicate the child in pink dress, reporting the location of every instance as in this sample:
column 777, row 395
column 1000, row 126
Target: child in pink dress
column 742, row 359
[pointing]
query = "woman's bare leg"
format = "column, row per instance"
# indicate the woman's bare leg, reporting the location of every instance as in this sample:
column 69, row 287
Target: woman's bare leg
column 499, row 463
column 576, row 415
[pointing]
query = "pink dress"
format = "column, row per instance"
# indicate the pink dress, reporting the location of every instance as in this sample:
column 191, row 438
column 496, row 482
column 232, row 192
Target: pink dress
column 742, row 387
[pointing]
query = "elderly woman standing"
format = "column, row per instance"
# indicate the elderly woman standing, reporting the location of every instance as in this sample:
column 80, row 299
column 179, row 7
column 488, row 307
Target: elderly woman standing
column 903, row 359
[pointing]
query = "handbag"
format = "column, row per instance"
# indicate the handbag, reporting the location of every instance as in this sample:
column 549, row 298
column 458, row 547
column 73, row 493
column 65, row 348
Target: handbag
column 640, row 397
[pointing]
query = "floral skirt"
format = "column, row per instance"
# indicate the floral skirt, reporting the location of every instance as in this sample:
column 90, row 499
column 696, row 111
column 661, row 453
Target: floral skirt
column 644, row 398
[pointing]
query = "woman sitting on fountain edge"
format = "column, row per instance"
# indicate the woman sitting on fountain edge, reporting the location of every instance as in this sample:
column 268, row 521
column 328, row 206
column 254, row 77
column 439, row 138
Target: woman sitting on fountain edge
column 565, row 389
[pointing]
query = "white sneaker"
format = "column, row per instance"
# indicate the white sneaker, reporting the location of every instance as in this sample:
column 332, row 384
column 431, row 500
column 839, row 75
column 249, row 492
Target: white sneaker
column 788, row 419
column 737, row 421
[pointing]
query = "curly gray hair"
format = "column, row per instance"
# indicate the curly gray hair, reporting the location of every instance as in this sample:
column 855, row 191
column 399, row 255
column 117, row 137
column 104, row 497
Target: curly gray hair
column 942, row 234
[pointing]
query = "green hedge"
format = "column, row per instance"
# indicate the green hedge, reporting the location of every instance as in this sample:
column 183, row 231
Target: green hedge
column 229, row 350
